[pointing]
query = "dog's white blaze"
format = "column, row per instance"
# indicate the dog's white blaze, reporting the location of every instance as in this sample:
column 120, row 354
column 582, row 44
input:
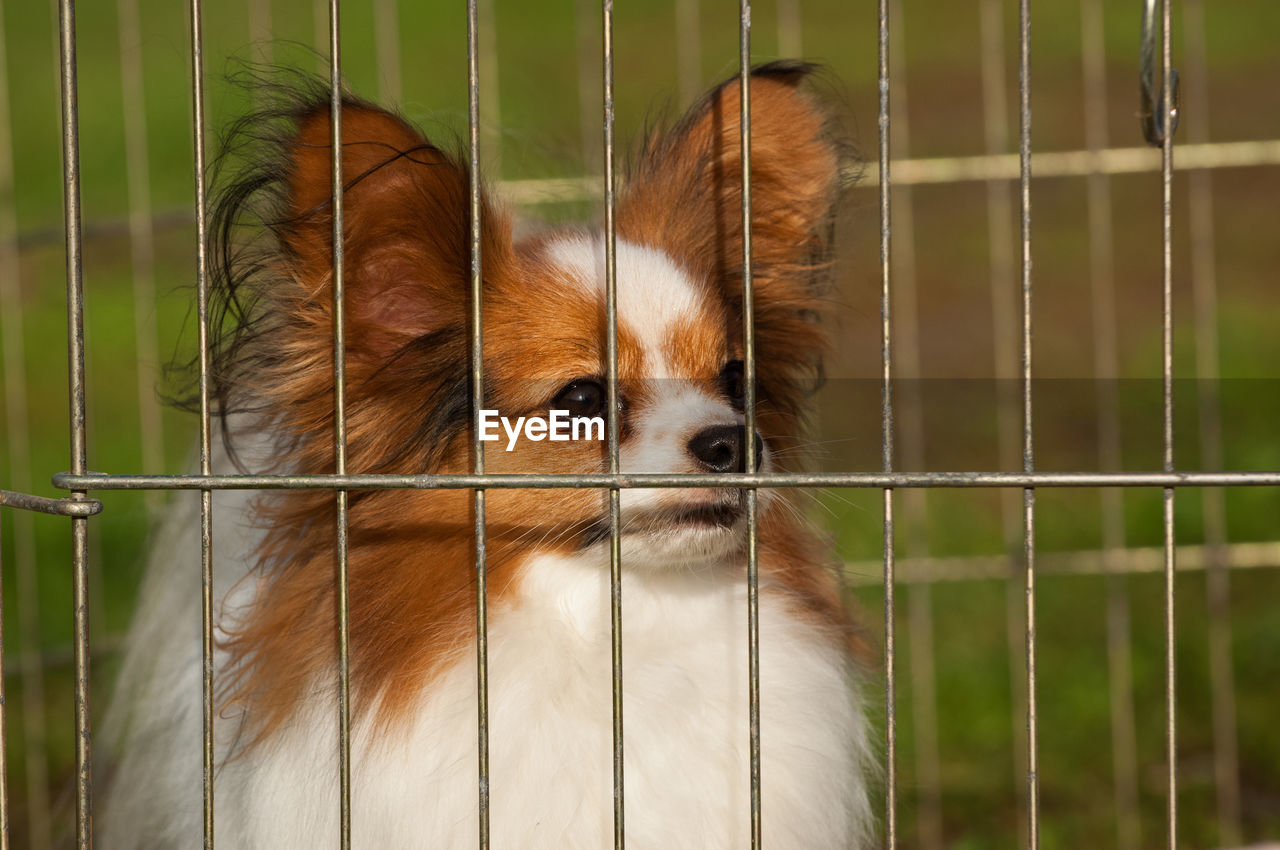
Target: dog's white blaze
column 653, row 292
column 655, row 297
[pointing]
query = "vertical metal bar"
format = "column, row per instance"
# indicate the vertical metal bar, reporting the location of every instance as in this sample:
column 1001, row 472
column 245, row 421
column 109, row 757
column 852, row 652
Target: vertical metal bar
column 477, row 447
column 76, row 406
column 911, row 421
column 611, row 379
column 1001, row 251
column 340, row 423
column 72, row 219
column 141, row 239
column 1204, row 285
column 18, row 432
column 688, row 48
column 886, row 444
column 749, row 406
column 206, row 496
column 1106, row 372
column 1166, row 180
column 386, row 36
column 1028, row 446
column 94, row 582
column 80, row 602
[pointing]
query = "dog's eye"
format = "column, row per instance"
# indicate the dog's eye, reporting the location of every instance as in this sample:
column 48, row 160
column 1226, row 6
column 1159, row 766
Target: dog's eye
column 733, row 384
column 583, row 397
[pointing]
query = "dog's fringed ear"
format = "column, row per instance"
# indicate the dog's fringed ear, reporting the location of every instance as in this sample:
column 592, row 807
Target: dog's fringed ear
column 684, row 197
column 406, row 215
column 685, row 193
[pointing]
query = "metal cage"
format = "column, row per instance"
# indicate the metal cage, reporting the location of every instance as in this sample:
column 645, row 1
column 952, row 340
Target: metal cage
column 902, row 491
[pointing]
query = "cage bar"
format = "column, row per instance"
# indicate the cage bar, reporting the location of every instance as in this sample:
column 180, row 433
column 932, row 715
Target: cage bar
column 206, row 495
column 749, row 411
column 1081, row 163
column 989, row 167
column 340, row 425
column 1028, row 437
column 924, row 571
column 1209, row 156
column 614, row 435
column 894, row 171
column 1166, row 183
column 886, row 441
column 743, row 481
column 76, row 407
column 477, row 446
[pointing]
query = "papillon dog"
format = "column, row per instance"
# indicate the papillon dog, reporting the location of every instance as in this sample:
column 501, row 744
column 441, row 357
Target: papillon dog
column 412, row 575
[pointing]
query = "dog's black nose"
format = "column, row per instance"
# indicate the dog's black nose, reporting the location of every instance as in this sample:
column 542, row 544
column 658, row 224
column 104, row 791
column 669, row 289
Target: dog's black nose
column 719, row 448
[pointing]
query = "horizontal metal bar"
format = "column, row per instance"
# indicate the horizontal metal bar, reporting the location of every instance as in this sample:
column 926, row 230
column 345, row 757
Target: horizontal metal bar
column 58, row 507
column 1135, row 560
column 106, row 227
column 104, row 481
column 958, row 169
column 63, row 655
column 952, row 169
column 1081, row 163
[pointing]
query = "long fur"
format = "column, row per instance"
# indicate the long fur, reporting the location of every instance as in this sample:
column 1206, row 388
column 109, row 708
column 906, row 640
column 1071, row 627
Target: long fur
column 412, row 578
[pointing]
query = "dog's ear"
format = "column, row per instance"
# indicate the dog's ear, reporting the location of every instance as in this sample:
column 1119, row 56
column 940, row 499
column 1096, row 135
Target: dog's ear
column 406, row 216
column 685, row 197
column 685, row 193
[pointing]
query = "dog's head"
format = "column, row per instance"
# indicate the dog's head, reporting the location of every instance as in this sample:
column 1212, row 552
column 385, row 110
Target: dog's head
column 679, row 272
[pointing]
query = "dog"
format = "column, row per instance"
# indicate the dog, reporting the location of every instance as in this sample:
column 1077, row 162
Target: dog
column 412, row 576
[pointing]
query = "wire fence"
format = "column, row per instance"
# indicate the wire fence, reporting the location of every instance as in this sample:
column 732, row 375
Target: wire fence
column 906, row 562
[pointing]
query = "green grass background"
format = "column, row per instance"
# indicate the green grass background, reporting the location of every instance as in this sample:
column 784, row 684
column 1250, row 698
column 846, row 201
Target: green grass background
column 539, row 132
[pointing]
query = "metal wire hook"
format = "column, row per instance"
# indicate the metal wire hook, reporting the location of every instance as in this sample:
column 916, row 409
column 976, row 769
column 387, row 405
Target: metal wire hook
column 1152, row 115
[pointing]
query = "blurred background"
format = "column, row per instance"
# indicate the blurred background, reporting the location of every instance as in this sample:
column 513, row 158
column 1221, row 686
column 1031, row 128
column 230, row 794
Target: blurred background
column 1097, row 260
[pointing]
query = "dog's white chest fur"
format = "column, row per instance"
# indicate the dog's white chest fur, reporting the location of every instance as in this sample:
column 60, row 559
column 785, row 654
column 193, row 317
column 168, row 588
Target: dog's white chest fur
column 550, row 733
